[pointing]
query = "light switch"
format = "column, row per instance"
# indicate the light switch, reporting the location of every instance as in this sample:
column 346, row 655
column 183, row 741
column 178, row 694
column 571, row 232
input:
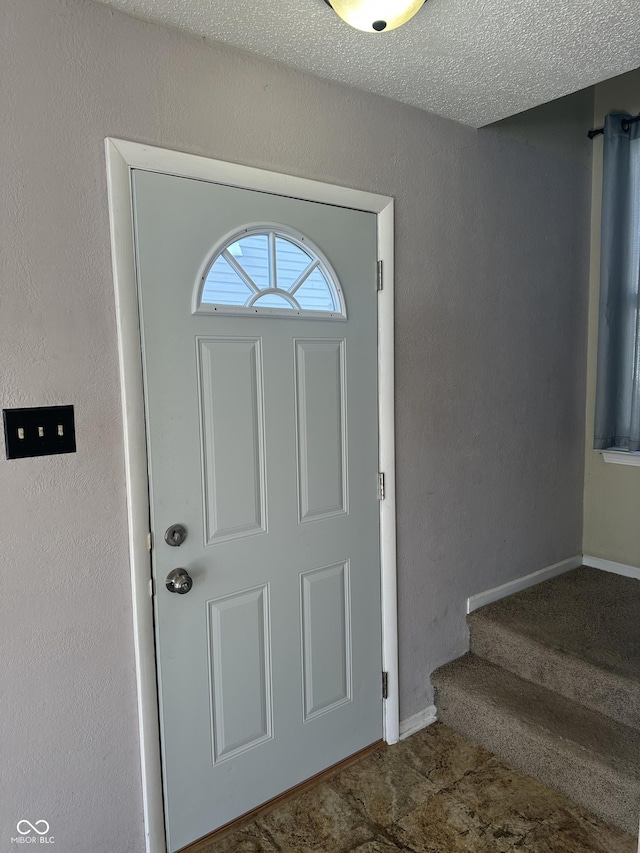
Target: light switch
column 39, row 431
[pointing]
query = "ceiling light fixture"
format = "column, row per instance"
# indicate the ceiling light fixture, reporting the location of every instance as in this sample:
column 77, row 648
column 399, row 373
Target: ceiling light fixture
column 375, row 16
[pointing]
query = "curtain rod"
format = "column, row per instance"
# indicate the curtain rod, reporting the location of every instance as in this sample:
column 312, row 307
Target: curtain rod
column 625, row 126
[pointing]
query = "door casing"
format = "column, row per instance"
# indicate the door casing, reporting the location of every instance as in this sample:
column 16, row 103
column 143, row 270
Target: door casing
column 121, row 157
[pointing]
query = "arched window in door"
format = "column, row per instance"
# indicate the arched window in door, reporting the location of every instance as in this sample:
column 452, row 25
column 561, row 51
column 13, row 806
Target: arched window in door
column 269, row 271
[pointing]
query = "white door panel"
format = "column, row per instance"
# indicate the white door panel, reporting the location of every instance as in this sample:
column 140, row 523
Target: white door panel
column 263, row 442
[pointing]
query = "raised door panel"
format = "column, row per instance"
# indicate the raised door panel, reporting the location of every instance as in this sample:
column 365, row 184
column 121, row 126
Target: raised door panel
column 232, row 429
column 321, row 421
column 326, row 638
column 240, row 672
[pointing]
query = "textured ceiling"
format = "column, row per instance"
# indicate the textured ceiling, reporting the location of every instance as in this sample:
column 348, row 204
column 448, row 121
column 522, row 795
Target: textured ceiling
column 475, row 61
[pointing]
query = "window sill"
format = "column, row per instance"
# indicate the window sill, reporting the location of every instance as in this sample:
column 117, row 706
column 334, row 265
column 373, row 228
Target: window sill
column 621, row 457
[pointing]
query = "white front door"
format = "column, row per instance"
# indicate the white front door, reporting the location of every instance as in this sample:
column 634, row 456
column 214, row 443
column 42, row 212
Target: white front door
column 263, row 444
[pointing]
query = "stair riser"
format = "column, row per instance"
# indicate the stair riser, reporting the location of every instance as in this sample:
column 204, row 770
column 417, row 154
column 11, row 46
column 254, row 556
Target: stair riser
column 614, row 797
column 592, row 686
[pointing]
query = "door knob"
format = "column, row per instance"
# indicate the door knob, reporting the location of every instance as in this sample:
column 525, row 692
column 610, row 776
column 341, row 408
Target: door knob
column 179, row 580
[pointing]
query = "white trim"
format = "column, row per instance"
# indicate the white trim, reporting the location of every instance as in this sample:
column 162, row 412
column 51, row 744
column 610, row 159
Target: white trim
column 135, row 455
column 121, row 157
column 511, row 587
column 138, row 156
column 387, row 465
column 418, row 721
column 610, row 566
column 621, row 457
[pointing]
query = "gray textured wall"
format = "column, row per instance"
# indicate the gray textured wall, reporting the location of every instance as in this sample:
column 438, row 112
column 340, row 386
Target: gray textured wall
column 492, row 231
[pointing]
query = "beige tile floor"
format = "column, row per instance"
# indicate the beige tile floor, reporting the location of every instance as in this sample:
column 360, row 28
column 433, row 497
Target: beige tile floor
column 433, row 793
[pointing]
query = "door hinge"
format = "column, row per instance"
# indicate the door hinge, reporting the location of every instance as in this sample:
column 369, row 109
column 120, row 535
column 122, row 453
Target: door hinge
column 385, row 685
column 380, row 486
column 149, row 542
column 152, row 587
column 379, row 281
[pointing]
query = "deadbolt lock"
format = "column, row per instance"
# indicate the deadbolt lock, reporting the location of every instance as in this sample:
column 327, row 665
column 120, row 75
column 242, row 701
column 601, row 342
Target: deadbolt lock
column 175, row 535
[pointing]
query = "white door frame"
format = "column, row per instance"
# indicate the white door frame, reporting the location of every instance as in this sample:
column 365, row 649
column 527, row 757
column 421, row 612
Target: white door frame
column 121, row 157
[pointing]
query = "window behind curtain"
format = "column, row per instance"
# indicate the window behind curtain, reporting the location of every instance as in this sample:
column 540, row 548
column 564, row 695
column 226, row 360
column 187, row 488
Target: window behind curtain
column 617, row 420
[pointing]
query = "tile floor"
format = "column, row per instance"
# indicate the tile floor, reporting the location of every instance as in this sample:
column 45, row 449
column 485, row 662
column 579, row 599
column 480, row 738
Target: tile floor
column 433, row 793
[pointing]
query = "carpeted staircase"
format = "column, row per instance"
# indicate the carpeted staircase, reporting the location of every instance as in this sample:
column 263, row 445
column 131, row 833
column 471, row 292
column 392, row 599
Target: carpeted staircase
column 552, row 685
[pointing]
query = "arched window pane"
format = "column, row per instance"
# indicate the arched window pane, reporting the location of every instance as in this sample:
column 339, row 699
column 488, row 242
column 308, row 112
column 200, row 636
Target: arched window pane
column 254, row 258
column 272, row 300
column 291, row 262
column 273, row 262
column 314, row 293
column 224, row 286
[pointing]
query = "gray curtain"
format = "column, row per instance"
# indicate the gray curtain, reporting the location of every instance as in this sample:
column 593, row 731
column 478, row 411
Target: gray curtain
column 617, row 421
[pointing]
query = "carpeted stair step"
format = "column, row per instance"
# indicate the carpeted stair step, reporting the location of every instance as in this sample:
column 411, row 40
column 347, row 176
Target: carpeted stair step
column 592, row 759
column 578, row 634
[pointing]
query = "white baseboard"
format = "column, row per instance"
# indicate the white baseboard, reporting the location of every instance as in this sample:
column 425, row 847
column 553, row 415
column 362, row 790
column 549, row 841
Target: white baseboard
column 610, row 566
column 417, row 721
column 509, row 588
